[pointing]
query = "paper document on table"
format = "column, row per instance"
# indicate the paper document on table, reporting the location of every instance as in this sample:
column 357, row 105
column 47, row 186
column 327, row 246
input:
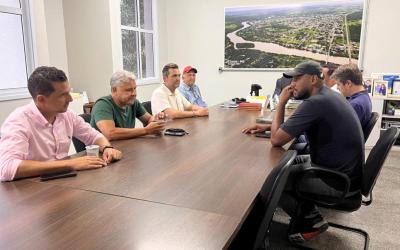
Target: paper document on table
column 293, row 104
column 257, row 99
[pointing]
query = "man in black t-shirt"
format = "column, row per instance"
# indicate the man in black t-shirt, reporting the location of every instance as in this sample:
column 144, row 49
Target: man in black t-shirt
column 335, row 138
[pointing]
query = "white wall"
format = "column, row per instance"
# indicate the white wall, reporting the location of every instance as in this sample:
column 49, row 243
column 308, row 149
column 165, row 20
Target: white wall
column 57, row 48
column 196, row 37
column 382, row 52
column 89, row 49
column 94, row 45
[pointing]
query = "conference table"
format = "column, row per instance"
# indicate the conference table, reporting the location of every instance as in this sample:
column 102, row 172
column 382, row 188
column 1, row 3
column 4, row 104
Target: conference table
column 189, row 192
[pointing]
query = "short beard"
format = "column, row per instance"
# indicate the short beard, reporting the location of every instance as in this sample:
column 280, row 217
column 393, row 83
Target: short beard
column 303, row 95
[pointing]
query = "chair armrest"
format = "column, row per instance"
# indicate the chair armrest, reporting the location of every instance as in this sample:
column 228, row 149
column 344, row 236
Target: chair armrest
column 338, row 181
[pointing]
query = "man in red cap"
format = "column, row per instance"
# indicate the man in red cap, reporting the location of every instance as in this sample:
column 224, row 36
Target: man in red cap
column 188, row 88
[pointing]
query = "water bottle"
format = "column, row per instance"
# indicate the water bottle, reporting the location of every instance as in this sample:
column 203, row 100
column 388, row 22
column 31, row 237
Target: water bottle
column 276, row 100
column 267, row 100
column 273, row 102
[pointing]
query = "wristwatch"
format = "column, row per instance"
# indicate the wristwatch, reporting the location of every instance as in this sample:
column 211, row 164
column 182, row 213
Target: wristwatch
column 107, row 146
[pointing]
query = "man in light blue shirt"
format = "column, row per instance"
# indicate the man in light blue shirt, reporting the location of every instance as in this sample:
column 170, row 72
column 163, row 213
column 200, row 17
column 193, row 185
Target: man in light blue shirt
column 188, row 88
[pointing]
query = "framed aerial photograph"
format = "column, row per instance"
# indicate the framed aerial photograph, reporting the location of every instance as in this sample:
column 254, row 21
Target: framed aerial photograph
column 281, row 36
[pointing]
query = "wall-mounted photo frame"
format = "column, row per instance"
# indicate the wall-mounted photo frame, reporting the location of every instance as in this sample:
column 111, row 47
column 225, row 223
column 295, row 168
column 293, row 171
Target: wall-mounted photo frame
column 380, row 88
column 396, row 88
column 368, row 84
column 277, row 37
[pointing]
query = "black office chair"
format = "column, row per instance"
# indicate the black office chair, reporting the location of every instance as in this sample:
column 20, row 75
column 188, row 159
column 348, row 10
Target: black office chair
column 147, row 106
column 80, row 146
column 301, row 145
column 254, row 232
column 346, row 200
column 370, row 125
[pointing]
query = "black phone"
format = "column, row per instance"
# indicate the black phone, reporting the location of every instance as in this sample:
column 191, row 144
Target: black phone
column 57, row 173
column 175, row 132
column 238, row 100
column 266, row 134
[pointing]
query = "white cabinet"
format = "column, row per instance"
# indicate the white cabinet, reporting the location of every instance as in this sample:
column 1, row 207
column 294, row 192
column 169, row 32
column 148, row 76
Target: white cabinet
column 377, row 106
column 386, row 120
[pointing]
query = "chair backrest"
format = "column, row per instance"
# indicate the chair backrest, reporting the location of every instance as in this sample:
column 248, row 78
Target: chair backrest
column 370, row 125
column 80, row 146
column 86, row 117
column 270, row 194
column 147, row 106
column 377, row 158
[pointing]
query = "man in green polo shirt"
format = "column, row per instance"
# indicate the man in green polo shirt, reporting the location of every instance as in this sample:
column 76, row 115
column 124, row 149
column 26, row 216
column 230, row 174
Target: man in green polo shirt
column 114, row 115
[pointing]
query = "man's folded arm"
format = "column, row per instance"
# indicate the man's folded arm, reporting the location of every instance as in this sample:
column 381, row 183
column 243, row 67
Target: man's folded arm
column 175, row 114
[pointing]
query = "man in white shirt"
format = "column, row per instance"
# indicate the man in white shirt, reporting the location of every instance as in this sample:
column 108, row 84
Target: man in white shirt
column 328, row 70
column 169, row 100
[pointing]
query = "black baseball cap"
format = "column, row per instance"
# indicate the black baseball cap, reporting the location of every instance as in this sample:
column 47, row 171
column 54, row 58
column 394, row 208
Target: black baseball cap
column 307, row 67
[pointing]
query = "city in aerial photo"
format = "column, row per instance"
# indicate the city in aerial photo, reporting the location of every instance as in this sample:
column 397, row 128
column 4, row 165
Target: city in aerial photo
column 281, row 36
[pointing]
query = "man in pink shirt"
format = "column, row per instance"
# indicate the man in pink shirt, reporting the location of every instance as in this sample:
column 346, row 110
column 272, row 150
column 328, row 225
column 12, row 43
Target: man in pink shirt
column 35, row 137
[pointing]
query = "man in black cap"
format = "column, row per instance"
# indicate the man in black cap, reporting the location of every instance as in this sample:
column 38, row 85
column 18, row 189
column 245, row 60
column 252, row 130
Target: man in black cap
column 335, row 138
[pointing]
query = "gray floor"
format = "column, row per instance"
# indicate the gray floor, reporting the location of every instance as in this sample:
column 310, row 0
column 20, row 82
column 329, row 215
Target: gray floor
column 381, row 219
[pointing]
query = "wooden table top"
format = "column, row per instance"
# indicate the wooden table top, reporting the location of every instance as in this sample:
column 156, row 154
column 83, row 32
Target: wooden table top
column 190, row 192
column 41, row 216
column 215, row 168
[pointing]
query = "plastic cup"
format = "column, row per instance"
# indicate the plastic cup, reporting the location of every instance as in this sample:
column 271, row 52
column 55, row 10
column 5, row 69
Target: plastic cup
column 92, row 150
column 226, row 104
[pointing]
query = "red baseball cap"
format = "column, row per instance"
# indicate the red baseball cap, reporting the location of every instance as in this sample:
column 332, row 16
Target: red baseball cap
column 189, row 68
